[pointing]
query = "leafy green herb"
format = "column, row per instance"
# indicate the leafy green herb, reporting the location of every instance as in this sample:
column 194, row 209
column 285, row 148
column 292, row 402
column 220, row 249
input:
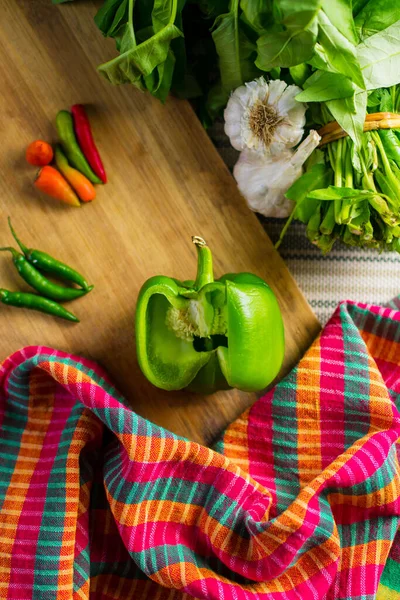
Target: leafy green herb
column 339, row 193
column 285, row 48
column 350, row 114
column 379, row 57
column 300, row 73
column 375, row 16
column 317, row 176
column 292, row 38
column 340, row 54
column 322, row 86
column 257, row 13
column 340, row 14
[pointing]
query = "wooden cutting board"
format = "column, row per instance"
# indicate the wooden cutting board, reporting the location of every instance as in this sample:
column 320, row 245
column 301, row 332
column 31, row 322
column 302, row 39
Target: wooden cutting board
column 167, row 183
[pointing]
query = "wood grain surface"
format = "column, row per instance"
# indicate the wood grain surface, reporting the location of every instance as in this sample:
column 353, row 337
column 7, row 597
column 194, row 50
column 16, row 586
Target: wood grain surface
column 167, row 183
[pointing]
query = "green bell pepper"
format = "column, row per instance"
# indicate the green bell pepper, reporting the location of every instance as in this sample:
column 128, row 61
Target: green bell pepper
column 209, row 335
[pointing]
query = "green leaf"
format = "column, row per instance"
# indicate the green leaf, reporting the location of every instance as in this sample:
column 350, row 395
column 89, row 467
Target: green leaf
column 163, row 13
column 374, row 98
column 339, row 193
column 258, row 13
column 111, row 15
column 158, row 83
column 375, row 16
column 318, row 176
column 294, row 44
column 340, row 14
column 300, row 73
column 139, row 61
column 60, row 1
column 323, row 86
column 316, row 158
column 386, row 103
column 340, row 54
column 379, row 57
column 350, row 114
column 235, row 52
column 296, row 15
column 285, row 48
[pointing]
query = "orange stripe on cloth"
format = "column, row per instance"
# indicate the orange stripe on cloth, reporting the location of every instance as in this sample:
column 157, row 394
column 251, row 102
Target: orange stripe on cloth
column 382, row 348
column 309, row 463
column 379, row 497
column 235, row 440
column 374, row 552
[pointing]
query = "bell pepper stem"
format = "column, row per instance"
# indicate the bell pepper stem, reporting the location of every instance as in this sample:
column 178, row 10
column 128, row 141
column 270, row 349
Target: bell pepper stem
column 205, row 273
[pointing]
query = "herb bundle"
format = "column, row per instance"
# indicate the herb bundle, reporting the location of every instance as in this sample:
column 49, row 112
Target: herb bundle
column 351, row 191
column 343, row 54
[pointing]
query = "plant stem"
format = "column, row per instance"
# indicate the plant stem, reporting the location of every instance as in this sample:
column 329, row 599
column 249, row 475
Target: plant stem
column 130, row 20
column 328, row 222
column 286, row 227
column 338, row 178
column 348, row 181
column 331, row 156
column 385, row 160
column 173, row 12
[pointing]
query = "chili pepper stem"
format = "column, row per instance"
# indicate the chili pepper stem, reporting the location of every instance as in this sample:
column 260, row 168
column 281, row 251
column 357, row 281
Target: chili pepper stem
column 20, row 244
column 9, row 249
column 205, row 272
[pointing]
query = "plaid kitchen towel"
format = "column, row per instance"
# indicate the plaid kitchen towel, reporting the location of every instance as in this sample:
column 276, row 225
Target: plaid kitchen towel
column 300, row 498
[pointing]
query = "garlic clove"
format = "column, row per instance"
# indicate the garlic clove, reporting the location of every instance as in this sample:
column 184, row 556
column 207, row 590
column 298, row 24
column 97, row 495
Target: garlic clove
column 263, row 179
column 276, row 89
column 289, row 136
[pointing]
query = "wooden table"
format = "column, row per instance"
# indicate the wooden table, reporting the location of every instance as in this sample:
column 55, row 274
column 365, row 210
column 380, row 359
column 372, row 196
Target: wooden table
column 167, row 183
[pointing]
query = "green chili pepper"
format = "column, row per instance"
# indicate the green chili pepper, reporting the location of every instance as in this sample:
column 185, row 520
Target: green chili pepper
column 209, row 335
column 45, row 262
column 42, row 285
column 66, row 133
column 34, row 302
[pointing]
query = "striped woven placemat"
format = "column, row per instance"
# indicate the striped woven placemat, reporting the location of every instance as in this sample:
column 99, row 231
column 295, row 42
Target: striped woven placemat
column 345, row 273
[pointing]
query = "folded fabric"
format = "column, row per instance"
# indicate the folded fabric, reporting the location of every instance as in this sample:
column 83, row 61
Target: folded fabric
column 300, row 498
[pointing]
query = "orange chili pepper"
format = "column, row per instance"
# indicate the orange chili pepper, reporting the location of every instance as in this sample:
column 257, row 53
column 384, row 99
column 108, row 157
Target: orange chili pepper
column 39, row 153
column 81, row 184
column 51, row 182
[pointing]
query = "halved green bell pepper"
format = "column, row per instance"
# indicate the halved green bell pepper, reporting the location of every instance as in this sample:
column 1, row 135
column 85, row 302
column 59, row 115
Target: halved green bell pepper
column 209, row 335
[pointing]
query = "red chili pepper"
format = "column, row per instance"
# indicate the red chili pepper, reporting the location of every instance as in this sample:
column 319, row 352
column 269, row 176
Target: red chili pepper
column 86, row 141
